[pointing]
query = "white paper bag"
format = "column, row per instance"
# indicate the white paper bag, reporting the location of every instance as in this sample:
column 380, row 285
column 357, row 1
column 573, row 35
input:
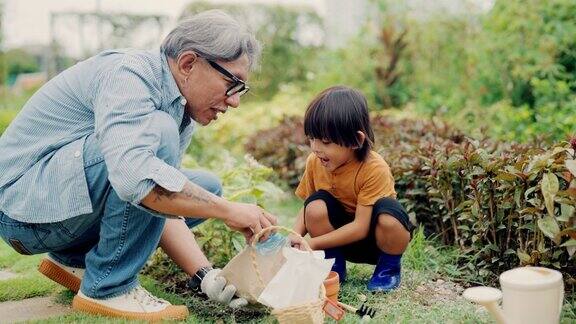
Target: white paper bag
column 241, row 273
column 299, row 279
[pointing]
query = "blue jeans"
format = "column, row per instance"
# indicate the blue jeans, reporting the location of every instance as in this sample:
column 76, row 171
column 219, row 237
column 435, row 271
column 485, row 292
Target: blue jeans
column 114, row 242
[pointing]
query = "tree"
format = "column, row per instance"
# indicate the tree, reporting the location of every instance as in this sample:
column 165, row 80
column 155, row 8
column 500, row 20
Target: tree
column 285, row 59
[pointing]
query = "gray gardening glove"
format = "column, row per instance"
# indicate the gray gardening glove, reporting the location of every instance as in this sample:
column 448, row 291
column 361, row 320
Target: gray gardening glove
column 215, row 287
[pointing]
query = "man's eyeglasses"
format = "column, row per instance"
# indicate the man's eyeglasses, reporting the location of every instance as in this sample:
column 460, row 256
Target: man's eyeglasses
column 239, row 87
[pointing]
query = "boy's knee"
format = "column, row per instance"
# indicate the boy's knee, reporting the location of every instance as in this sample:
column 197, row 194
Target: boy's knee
column 169, row 147
column 316, row 210
column 391, row 215
column 389, row 223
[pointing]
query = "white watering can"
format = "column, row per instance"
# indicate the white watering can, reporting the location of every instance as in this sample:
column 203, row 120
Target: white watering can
column 530, row 295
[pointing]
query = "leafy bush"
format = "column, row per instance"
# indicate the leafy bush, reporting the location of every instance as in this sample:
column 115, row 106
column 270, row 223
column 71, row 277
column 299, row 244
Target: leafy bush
column 504, row 121
column 520, row 57
column 283, row 148
column 248, row 183
column 16, row 61
column 503, row 204
column 232, row 130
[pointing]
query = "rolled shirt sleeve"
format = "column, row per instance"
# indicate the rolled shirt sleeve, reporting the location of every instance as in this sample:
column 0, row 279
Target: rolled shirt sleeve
column 124, row 103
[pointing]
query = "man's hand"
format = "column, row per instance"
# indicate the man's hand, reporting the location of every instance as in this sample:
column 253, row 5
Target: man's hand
column 215, row 287
column 249, row 219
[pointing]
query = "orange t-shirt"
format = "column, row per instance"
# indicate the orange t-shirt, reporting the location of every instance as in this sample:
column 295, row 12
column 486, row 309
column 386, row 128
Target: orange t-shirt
column 352, row 183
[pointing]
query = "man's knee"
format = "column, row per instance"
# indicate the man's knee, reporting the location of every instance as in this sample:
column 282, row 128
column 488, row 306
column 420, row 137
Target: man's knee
column 205, row 179
column 166, row 128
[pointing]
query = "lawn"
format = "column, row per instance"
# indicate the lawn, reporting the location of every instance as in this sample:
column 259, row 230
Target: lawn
column 429, row 292
column 423, row 297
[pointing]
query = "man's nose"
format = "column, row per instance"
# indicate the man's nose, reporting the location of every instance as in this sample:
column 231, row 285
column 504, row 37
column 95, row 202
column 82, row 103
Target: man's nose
column 233, row 101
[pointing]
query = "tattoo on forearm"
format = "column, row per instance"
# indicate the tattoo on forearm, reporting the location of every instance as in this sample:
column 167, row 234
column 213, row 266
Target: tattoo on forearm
column 161, row 192
column 196, row 194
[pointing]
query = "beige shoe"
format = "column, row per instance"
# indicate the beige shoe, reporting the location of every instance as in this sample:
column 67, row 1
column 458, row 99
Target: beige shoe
column 137, row 304
column 68, row 277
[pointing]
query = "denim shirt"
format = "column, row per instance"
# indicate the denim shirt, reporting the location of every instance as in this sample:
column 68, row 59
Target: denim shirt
column 112, row 95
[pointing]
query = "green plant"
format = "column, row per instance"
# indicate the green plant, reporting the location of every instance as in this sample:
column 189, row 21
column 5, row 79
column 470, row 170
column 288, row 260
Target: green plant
column 18, row 61
column 245, row 181
column 283, row 148
column 233, row 130
column 502, row 204
column 286, row 56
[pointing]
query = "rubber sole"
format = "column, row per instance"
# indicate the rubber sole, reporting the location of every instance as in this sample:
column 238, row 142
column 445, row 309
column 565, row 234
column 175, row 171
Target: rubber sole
column 59, row 275
column 171, row 312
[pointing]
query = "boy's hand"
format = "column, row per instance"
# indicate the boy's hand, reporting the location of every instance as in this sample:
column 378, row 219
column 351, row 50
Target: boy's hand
column 297, row 242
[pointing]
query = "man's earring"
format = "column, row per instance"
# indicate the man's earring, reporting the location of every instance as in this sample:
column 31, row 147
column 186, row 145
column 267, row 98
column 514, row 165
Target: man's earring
column 186, row 80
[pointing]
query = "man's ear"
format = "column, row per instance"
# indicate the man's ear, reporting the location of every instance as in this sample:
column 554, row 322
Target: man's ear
column 186, row 61
column 361, row 138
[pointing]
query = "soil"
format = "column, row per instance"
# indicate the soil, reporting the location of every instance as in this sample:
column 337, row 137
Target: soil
column 438, row 291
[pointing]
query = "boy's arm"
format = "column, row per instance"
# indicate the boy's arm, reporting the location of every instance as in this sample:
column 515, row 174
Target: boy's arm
column 349, row 233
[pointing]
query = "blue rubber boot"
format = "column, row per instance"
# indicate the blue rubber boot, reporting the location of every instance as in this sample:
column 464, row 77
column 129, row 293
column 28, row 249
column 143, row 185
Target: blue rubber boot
column 339, row 264
column 386, row 276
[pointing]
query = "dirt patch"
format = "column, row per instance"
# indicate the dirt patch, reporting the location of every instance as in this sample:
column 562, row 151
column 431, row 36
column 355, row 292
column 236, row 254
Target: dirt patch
column 438, row 291
column 31, row 309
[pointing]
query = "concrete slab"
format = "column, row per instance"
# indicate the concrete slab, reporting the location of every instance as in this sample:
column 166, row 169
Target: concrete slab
column 5, row 275
column 31, row 309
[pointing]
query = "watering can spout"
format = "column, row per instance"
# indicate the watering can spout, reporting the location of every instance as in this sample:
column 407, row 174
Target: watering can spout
column 487, row 297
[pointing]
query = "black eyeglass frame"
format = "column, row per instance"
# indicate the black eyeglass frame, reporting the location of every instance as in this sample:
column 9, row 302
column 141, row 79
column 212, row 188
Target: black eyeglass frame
column 239, row 86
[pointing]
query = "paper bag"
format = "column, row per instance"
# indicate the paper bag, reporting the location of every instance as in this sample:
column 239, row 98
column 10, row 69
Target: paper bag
column 299, row 279
column 241, row 273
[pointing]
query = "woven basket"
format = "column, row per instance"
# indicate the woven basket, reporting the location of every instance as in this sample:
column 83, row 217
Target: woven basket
column 298, row 314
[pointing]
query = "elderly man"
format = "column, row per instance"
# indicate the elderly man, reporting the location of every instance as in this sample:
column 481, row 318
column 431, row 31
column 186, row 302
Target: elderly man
column 91, row 167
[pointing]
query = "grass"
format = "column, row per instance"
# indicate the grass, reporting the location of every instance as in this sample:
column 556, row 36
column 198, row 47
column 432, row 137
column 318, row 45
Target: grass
column 426, row 296
column 417, row 301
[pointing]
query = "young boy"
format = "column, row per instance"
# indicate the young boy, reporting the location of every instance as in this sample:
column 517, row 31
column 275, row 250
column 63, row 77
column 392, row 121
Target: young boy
column 350, row 210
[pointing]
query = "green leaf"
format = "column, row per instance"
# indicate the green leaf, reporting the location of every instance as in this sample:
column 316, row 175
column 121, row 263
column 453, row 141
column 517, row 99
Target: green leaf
column 559, row 149
column 571, row 166
column 549, row 187
column 549, row 226
column 570, row 242
column 518, row 196
column 475, row 209
column 505, row 176
column 523, row 256
column 238, row 243
column 567, row 212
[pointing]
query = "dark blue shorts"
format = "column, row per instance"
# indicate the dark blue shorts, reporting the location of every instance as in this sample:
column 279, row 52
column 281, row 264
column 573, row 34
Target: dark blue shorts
column 365, row 250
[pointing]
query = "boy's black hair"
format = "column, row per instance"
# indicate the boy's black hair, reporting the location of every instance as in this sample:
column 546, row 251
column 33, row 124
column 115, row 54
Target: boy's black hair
column 336, row 115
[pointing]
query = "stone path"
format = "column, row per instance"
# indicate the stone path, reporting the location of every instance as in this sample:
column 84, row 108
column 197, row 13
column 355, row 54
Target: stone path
column 5, row 275
column 29, row 309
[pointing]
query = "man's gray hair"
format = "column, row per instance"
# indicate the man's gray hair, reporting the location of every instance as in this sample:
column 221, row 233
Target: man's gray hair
column 213, row 35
